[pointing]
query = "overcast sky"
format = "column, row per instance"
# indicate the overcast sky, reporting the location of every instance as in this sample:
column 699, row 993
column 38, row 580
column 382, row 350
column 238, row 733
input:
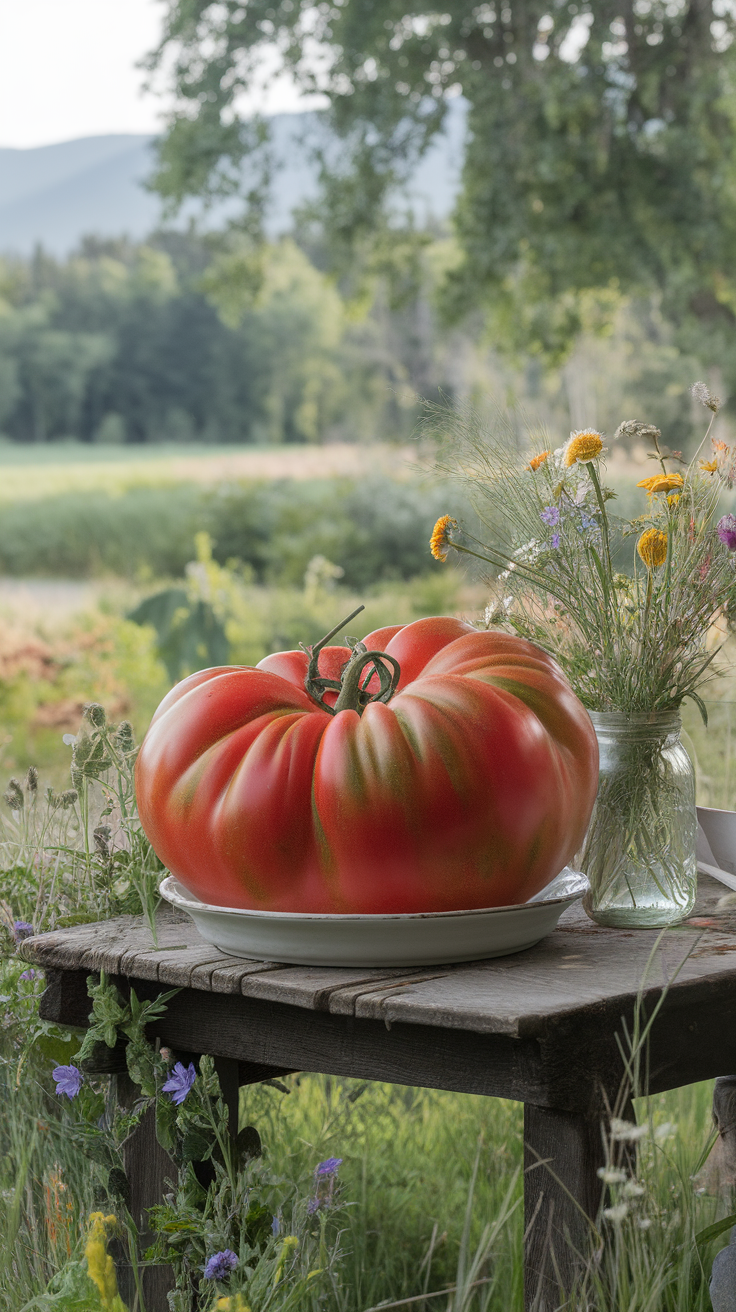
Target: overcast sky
column 67, row 69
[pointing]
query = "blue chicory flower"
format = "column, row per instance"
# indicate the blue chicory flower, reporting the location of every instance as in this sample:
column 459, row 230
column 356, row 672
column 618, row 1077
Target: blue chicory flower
column 325, row 1177
column 550, row 515
column 329, row 1167
column 68, row 1079
column 220, row 1265
column 180, row 1082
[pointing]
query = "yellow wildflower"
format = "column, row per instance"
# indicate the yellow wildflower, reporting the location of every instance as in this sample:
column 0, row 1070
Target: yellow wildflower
column 709, row 466
column 289, row 1242
column 439, row 543
column 673, row 500
column 232, row 1303
column 100, row 1266
column 583, row 447
column 652, row 547
column 661, row 483
column 536, row 461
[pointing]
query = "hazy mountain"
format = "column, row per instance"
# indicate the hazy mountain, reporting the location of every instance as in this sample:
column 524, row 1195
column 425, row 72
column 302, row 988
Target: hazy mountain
column 54, row 195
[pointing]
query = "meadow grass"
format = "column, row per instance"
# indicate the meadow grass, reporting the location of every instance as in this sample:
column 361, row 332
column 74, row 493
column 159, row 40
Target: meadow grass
column 35, row 471
column 408, row 1157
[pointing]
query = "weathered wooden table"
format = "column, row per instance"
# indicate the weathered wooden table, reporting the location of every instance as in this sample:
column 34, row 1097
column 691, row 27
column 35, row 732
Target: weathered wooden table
column 540, row 1027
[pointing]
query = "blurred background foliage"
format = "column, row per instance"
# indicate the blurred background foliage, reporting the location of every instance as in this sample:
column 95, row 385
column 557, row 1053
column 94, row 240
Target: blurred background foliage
column 192, row 340
column 598, row 161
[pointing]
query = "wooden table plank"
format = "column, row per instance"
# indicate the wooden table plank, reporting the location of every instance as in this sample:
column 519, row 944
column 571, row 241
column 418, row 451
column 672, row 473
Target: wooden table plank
column 579, row 967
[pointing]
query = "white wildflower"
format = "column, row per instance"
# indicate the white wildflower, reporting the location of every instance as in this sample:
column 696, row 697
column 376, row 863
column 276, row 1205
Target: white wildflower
column 626, row 1131
column 611, row 1175
column 632, row 1189
column 617, row 1213
column 667, row 1130
column 529, row 552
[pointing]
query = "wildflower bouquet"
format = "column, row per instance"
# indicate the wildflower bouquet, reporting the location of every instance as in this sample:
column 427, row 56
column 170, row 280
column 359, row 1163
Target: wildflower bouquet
column 626, row 607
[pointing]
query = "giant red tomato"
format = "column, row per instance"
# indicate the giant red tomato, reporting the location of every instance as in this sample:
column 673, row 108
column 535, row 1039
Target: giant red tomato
column 470, row 787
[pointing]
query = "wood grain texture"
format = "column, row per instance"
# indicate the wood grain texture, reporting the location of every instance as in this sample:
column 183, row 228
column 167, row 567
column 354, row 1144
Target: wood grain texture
column 562, row 1154
column 147, row 1168
column 579, row 969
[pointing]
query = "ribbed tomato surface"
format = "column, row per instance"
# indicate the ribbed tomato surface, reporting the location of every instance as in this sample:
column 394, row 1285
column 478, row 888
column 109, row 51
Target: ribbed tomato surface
column 471, row 787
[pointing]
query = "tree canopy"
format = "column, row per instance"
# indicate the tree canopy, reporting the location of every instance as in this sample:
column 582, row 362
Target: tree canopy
column 600, row 147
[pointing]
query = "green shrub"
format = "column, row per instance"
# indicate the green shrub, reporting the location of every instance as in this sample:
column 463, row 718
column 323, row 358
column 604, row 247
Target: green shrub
column 374, row 530
column 77, row 535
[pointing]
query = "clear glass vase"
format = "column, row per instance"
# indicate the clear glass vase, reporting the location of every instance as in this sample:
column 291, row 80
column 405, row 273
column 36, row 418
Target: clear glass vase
column 639, row 851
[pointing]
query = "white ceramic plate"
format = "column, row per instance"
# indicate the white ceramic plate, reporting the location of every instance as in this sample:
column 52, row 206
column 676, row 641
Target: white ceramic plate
column 419, row 939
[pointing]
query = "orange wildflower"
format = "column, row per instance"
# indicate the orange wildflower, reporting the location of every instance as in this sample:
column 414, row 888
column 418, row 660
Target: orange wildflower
column 652, row 547
column 439, row 543
column 536, row 461
column 709, row 466
column 583, row 447
column 661, row 483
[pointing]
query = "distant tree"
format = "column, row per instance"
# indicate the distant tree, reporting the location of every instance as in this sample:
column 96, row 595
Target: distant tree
column 600, row 154
column 176, row 340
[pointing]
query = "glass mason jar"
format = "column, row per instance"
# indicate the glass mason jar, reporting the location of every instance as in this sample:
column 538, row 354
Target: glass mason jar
column 639, row 851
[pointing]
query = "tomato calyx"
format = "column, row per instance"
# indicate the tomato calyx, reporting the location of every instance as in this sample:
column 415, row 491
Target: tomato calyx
column 356, row 674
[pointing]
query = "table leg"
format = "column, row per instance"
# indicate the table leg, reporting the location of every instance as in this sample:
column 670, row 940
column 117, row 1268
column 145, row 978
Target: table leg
column 147, row 1168
column 562, row 1154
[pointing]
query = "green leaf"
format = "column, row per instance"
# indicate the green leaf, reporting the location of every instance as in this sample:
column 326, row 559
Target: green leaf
column 166, row 1123
column 257, row 1225
column 713, row 1231
column 195, row 1146
column 694, row 697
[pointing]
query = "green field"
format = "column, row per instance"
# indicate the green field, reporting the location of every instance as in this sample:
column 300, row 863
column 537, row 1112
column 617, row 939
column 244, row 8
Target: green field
column 29, row 471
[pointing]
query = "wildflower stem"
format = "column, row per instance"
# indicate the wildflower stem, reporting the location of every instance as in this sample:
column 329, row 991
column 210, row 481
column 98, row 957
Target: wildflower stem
column 607, row 571
column 500, row 561
column 705, row 439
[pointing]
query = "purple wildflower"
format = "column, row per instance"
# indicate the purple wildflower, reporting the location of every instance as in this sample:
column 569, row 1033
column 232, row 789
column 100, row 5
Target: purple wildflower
column 68, row 1079
column 275, row 1227
column 328, row 1167
column 325, row 1178
column 21, row 930
column 29, row 974
column 180, row 1082
column 550, row 515
column 221, row 1264
column 555, row 541
column 726, row 528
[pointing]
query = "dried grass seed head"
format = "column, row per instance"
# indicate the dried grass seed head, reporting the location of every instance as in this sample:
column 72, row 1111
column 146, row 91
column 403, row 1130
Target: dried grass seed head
column 702, row 393
column 634, row 428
